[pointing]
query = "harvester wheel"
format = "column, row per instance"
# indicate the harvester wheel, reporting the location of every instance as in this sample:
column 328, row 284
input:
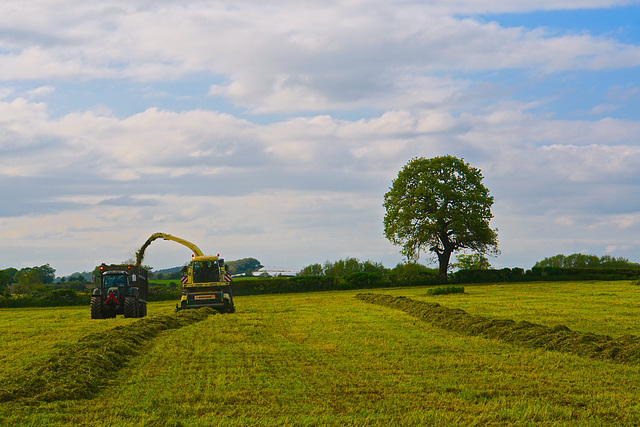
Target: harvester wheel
column 130, row 306
column 96, row 307
column 228, row 308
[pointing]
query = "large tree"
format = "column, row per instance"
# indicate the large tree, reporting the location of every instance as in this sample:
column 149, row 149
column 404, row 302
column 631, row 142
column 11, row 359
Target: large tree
column 439, row 204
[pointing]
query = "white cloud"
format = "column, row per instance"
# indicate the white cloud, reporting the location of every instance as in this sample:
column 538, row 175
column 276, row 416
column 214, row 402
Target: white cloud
column 292, row 57
column 340, row 98
column 41, row 91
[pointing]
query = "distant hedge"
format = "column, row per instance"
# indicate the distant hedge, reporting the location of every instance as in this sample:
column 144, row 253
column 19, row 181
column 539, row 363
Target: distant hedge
column 358, row 280
column 487, row 276
column 543, row 273
column 55, row 298
column 69, row 297
column 584, row 273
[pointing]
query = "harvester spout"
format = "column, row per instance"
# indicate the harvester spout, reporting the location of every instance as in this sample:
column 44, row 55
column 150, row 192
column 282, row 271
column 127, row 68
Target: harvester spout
column 140, row 253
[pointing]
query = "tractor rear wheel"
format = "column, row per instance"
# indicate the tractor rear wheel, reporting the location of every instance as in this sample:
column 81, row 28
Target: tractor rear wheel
column 96, row 307
column 130, row 306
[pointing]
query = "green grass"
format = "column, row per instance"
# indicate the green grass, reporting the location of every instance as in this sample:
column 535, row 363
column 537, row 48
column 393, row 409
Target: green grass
column 164, row 282
column 332, row 359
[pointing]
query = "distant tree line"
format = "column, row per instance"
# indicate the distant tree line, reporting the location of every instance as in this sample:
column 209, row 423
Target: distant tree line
column 579, row 260
column 26, row 280
column 37, row 286
column 342, row 267
column 474, row 268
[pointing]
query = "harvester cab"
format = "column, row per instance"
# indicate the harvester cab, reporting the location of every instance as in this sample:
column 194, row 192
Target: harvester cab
column 207, row 285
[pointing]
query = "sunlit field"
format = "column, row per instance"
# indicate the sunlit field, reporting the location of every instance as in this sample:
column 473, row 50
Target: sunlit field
column 332, row 359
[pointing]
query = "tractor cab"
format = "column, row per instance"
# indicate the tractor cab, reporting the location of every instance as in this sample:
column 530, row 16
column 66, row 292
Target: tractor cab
column 115, row 286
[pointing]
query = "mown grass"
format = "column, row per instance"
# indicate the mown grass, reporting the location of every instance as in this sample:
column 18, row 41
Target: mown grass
column 79, row 369
column 625, row 349
column 606, row 308
column 32, row 334
column 331, row 359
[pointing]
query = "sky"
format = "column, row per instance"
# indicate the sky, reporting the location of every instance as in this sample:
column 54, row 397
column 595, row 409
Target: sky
column 273, row 129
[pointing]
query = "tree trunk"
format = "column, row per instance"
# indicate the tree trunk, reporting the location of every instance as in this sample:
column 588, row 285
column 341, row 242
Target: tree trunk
column 443, row 259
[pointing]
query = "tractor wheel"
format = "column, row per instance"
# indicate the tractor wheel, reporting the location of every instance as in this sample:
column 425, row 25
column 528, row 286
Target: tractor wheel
column 130, row 306
column 142, row 309
column 96, row 307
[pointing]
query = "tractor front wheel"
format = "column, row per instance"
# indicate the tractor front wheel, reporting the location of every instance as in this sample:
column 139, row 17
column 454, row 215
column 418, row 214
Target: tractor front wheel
column 96, row 307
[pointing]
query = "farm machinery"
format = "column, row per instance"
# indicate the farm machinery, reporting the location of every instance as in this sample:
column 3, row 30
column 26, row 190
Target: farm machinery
column 122, row 289
column 206, row 282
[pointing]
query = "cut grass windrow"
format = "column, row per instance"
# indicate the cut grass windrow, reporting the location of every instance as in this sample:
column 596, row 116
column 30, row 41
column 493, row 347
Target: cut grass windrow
column 78, row 370
column 625, row 349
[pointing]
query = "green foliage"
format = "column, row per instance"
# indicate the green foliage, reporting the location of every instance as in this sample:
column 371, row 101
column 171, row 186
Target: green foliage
column 11, row 272
column 78, row 277
column 586, row 273
column 28, row 281
column 471, row 262
column 413, row 274
column 278, row 285
column 439, row 205
column 446, row 290
column 5, row 281
column 244, row 265
column 492, row 276
column 585, row 261
column 312, row 270
column 45, row 298
column 364, row 279
column 342, row 268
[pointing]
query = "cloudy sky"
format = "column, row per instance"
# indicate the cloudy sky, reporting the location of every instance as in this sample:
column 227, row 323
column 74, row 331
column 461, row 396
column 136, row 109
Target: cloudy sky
column 273, row 129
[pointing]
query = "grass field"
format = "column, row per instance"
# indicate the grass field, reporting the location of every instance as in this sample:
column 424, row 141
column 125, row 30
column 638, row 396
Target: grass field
column 332, row 359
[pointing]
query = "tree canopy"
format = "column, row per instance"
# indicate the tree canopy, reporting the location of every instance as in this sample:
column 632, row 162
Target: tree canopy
column 342, row 267
column 439, row 204
column 472, row 262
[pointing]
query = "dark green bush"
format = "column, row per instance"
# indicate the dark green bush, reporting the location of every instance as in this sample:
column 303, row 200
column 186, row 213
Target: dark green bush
column 446, row 290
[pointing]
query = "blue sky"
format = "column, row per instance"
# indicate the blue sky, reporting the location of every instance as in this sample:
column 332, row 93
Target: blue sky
column 273, row 131
column 620, row 23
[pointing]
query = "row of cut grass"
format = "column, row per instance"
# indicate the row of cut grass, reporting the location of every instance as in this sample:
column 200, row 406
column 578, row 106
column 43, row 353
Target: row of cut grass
column 625, row 349
column 79, row 369
column 604, row 308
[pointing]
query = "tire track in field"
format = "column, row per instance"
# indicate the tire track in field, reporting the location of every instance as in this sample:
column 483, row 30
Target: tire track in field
column 625, row 349
column 79, row 370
